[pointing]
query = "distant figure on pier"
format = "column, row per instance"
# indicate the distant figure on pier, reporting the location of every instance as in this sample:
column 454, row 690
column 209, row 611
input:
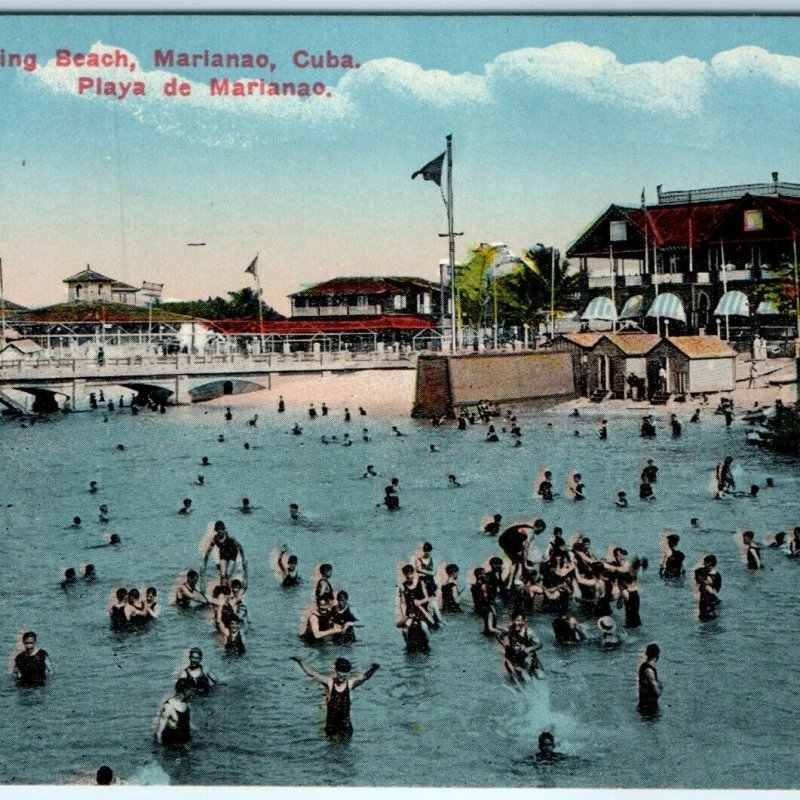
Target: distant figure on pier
column 324, row 410
column 312, row 412
column 281, row 405
column 228, row 414
column 347, row 415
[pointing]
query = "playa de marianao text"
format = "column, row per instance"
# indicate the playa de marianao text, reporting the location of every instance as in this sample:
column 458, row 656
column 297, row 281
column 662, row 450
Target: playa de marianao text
column 102, row 72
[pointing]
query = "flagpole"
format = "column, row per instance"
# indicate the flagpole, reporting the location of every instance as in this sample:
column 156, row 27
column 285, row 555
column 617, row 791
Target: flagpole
column 452, row 243
column 3, row 303
column 260, row 310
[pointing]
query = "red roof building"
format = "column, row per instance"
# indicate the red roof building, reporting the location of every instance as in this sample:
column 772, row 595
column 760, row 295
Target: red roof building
column 698, row 245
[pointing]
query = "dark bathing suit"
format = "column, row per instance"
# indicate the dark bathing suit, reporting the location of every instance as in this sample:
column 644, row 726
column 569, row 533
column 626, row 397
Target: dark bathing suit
column 32, row 669
column 200, row 684
column 338, row 721
column 648, row 699
column 180, row 734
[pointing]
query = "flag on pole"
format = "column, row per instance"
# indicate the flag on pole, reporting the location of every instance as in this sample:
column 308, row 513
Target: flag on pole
column 432, row 171
column 252, row 268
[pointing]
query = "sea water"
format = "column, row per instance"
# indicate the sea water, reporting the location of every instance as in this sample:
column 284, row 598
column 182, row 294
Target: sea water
column 731, row 688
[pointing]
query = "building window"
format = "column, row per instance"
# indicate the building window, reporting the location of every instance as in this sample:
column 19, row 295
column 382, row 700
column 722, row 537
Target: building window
column 400, row 302
column 618, row 231
column 673, row 264
column 753, row 220
column 361, row 300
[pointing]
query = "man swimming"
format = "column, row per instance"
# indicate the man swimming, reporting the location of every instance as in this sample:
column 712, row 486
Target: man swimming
column 32, row 665
column 229, row 552
column 188, row 593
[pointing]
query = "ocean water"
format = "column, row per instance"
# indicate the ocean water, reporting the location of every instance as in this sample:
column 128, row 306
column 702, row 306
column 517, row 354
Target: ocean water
column 449, row 718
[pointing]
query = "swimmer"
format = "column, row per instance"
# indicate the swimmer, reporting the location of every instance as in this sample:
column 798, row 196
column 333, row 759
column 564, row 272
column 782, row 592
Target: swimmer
column 671, row 566
column 287, row 564
column 174, row 725
column 229, row 552
column 201, row 481
column 676, row 426
column 483, row 597
column 695, row 416
column 629, row 599
column 89, row 573
column 493, row 528
column 390, row 499
column 221, row 438
column 365, row 437
column 602, row 431
column 724, row 475
column 116, row 611
column 567, row 629
column 93, row 488
column 544, row 490
column 228, row 414
column 324, row 410
column 434, row 448
column 312, row 412
column 69, row 578
column 246, row 445
column 452, row 482
column 575, row 413
column 338, row 687
column 342, row 617
column 519, row 650
column 770, row 483
column 200, row 682
column 451, row 592
column 547, row 752
column 119, row 446
column 187, row 507
column 76, row 524
column 151, row 602
column 347, row 415
column 491, row 435
column 361, row 411
column 370, row 473
column 135, row 609
column 396, row 432
column 609, row 639
column 646, row 490
column 104, row 776
column 414, row 612
column 794, row 543
column 752, row 555
column 649, row 686
column 778, row 541
column 234, row 644
column 294, row 512
column 650, row 471
column 245, row 507
column 204, row 462
column 188, row 593
column 32, row 665
column 622, row 500
column 297, row 430
column 253, row 422
column 103, row 518
column 708, row 582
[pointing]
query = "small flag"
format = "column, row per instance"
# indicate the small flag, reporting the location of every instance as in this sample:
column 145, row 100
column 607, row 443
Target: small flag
column 644, row 203
column 252, row 268
column 432, row 171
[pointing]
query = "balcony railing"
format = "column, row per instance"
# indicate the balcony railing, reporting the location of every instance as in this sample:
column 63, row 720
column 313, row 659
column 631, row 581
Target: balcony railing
column 600, row 281
column 738, row 275
column 337, row 311
column 668, row 277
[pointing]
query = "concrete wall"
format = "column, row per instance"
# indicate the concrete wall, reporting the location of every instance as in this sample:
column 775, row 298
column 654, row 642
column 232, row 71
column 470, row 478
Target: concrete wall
column 446, row 381
column 712, row 375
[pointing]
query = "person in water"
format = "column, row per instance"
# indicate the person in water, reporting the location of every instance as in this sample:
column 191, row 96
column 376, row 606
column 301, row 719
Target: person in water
column 752, row 555
column 187, row 507
column 519, row 650
column 229, row 551
column 671, row 566
column 69, row 579
column 338, row 686
column 174, row 719
column 342, row 617
column 493, row 528
column 609, row 639
column 287, row 564
column 451, row 592
column 188, row 593
column 649, row 686
column 32, row 665
column 709, row 583
column 622, row 500
column 547, row 749
column 200, row 681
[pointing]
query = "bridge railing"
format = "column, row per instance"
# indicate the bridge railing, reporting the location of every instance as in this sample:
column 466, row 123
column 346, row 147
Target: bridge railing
column 177, row 363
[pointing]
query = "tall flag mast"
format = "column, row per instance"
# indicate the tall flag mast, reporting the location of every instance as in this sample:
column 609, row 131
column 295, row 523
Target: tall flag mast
column 432, row 171
column 252, row 269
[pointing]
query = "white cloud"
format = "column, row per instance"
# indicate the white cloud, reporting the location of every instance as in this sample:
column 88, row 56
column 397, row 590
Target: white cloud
column 594, row 73
column 674, row 87
column 435, row 86
column 756, row 62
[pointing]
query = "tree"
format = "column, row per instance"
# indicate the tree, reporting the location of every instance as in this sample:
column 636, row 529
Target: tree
column 243, row 304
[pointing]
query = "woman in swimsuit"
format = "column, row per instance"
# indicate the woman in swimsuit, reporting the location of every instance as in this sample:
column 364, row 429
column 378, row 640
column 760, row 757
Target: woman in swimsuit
column 174, row 728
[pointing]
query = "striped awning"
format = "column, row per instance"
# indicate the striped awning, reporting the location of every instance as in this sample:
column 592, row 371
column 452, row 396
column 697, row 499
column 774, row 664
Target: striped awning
column 600, row 308
column 766, row 307
column 667, row 305
column 733, row 304
column 633, row 307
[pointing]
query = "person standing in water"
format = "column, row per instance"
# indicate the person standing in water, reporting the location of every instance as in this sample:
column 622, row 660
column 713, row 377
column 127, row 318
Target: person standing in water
column 32, row 666
column 338, row 687
column 174, row 720
column 649, row 686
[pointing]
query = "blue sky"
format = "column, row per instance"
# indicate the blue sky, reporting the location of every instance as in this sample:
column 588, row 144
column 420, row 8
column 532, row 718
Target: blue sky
column 552, row 119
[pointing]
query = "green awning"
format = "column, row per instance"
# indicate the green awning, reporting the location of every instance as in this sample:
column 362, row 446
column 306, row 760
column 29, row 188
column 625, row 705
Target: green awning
column 600, row 308
column 633, row 307
column 733, row 304
column 669, row 306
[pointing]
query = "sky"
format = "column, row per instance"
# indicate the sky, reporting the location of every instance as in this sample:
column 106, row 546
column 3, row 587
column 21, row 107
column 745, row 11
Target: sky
column 553, row 118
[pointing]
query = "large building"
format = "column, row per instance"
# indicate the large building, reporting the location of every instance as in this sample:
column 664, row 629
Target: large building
column 697, row 246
